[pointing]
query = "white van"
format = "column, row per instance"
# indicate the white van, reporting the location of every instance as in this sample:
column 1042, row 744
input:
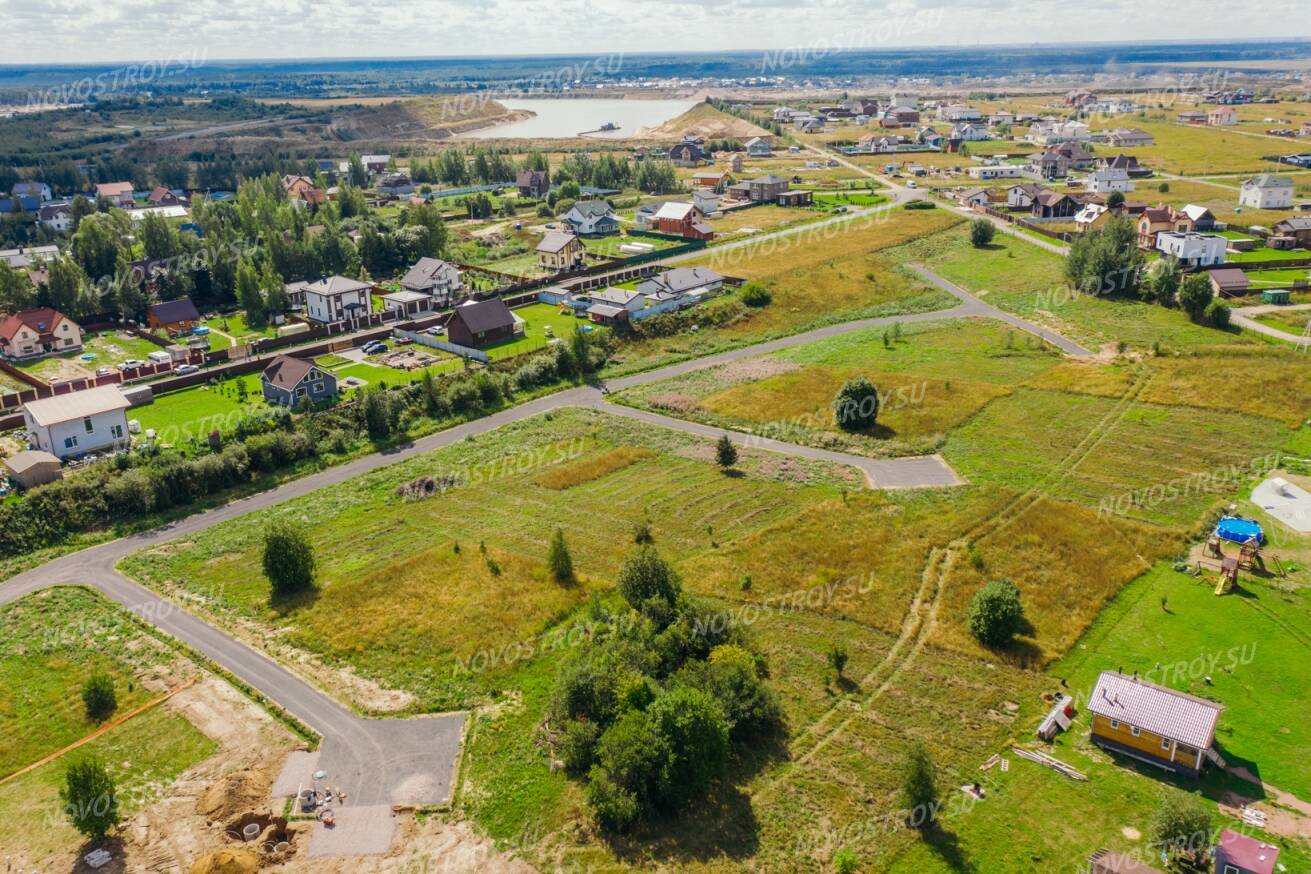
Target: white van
column 160, row 357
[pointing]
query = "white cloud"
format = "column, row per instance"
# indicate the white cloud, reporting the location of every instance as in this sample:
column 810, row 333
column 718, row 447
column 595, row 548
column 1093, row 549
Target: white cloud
column 86, row 31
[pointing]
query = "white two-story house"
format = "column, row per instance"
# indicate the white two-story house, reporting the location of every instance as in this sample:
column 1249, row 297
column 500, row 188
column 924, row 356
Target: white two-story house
column 336, row 299
column 79, row 422
column 1193, row 249
column 1267, row 191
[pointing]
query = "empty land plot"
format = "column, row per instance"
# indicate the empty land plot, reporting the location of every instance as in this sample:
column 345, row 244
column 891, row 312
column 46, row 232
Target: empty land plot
column 1289, row 321
column 1068, row 562
column 380, row 554
column 53, row 642
column 1193, row 150
column 1159, row 463
column 1264, row 381
column 861, row 558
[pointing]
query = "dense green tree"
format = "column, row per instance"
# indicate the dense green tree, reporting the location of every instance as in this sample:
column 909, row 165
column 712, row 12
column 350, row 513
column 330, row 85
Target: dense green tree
column 98, row 697
column 1194, row 294
column 1165, row 280
column 1181, row 826
column 158, row 237
column 90, row 798
column 996, row 614
column 17, row 293
column 693, row 727
column 558, row 558
column 981, row 232
column 725, row 452
column 250, row 296
column 95, row 245
column 1106, row 261
column 288, row 558
column 856, row 405
column 648, row 583
column 634, row 765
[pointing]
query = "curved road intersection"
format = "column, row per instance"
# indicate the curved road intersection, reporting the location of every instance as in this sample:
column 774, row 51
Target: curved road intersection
column 412, row 761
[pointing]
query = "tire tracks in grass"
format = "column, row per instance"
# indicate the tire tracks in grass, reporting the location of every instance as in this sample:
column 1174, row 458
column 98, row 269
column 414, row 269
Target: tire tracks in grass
column 921, row 615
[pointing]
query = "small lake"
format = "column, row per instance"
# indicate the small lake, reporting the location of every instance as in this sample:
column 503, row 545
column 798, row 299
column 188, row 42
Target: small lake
column 557, row 119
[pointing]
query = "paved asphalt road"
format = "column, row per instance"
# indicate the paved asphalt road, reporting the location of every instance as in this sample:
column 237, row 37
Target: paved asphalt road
column 413, row 760
column 1243, row 318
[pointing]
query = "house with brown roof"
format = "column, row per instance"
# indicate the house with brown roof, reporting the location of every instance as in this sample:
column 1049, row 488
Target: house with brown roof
column 290, row 382
column 1297, row 229
column 173, row 316
column 481, row 323
column 38, row 332
column 560, row 251
column 1055, row 204
column 533, row 183
column 1229, row 281
column 1154, row 724
column 162, row 196
column 301, row 190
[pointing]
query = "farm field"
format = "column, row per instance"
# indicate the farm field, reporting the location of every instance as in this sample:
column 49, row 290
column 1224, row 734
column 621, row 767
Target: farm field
column 761, row 218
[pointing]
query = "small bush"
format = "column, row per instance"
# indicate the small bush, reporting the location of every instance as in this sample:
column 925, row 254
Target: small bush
column 995, row 613
column 756, row 295
column 856, row 405
column 98, row 697
column 1217, row 314
column 725, row 452
column 559, row 560
column 577, row 746
column 981, row 233
column 90, row 798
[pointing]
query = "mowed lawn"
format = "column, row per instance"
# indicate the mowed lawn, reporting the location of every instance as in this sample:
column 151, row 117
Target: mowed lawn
column 193, row 412
column 474, row 554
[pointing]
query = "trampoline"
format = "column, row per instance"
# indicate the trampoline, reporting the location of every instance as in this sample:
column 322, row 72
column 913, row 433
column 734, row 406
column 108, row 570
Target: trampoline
column 1236, row 529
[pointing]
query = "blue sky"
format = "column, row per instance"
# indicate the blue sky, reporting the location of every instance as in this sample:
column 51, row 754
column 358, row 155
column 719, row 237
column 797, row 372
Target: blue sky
column 111, row 30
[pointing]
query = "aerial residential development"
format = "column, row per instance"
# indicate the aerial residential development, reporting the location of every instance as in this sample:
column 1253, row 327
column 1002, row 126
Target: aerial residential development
column 768, row 440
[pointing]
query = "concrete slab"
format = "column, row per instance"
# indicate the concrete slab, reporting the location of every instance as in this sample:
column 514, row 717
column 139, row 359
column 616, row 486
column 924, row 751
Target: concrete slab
column 1287, row 502
column 297, row 773
column 396, row 761
column 359, row 831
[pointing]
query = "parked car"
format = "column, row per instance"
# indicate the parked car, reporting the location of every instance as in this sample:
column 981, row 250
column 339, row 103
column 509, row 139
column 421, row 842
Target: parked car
column 373, row 347
column 103, row 371
column 132, row 364
column 187, row 368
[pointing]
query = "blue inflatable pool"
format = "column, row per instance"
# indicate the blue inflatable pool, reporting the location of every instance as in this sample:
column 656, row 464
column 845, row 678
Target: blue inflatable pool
column 1238, row 530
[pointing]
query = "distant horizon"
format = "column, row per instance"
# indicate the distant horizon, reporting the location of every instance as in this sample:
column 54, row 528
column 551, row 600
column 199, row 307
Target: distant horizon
column 655, row 53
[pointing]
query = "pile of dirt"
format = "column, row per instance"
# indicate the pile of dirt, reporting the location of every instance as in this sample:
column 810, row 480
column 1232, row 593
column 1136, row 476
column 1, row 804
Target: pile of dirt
column 703, row 120
column 235, row 794
column 226, row 861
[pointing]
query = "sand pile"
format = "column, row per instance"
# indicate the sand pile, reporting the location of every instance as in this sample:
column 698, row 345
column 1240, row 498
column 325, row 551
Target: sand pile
column 234, row 794
column 226, row 861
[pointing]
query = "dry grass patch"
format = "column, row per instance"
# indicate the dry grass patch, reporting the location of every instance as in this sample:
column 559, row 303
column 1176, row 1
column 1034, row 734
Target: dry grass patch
column 911, row 407
column 588, row 469
column 470, row 600
column 1068, row 562
column 861, row 558
column 1261, row 381
column 1083, row 377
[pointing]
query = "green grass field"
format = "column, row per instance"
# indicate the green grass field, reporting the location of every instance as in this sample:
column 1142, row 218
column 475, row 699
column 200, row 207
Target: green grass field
column 109, row 348
column 53, row 642
column 194, row 412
